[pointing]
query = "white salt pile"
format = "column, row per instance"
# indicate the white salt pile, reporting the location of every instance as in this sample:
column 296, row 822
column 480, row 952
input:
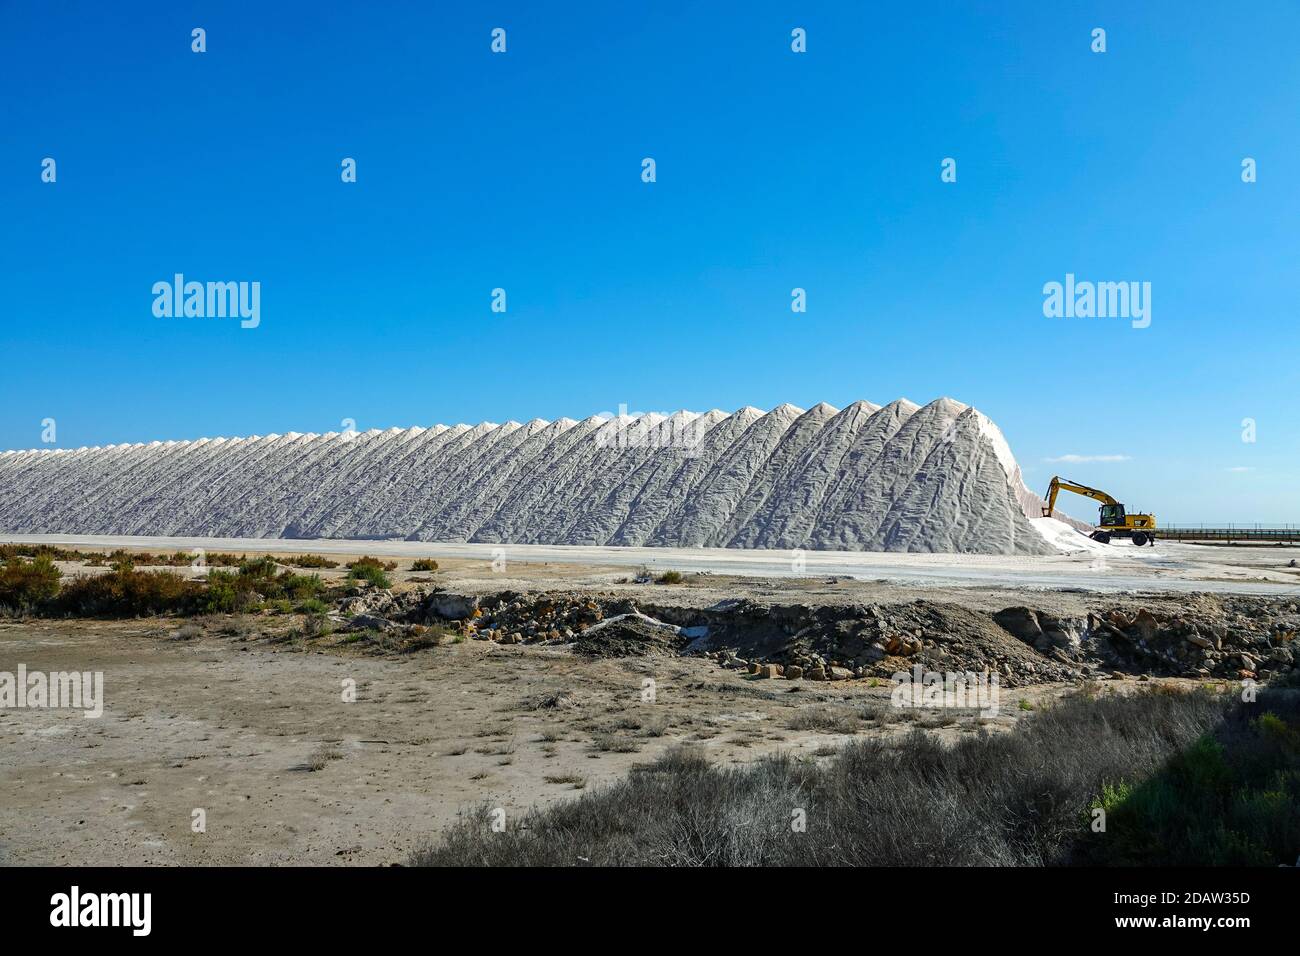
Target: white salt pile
column 1067, row 537
column 897, row 478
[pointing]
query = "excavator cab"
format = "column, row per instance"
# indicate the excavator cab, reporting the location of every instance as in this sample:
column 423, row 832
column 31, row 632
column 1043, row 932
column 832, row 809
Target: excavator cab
column 1112, row 516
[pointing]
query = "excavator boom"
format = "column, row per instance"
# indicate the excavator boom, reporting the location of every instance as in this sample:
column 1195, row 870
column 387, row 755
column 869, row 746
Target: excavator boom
column 1058, row 484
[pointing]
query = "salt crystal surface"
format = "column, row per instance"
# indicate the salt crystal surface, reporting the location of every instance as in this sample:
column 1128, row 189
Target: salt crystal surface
column 902, row 477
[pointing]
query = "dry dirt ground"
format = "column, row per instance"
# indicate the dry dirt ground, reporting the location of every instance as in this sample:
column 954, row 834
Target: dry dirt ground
column 233, row 717
column 257, row 735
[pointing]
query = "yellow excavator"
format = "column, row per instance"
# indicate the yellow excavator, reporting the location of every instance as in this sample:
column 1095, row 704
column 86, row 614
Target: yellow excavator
column 1113, row 521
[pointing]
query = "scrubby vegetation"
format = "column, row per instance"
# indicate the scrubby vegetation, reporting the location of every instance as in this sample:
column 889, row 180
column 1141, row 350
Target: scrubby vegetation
column 669, row 577
column 258, row 581
column 823, row 720
column 35, row 585
column 1188, row 777
column 371, row 570
column 178, row 559
column 26, row 584
column 424, row 564
column 309, row 561
column 126, row 592
column 1230, row 799
column 368, row 560
column 99, row 558
column 11, row 551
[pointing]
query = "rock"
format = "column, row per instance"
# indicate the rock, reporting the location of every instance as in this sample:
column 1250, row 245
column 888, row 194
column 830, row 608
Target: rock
column 1145, row 624
column 370, row 622
column 754, row 667
column 1199, row 641
column 1020, row 622
column 1056, row 638
column 793, row 672
column 815, row 673
column 1110, row 630
column 871, row 654
column 769, row 671
column 452, row 607
column 840, row 673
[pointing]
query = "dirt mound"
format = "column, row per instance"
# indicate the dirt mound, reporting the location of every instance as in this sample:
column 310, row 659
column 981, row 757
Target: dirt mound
column 879, row 641
column 1209, row 636
column 629, row 635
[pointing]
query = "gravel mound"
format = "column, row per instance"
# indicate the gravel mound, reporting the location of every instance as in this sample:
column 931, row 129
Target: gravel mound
column 629, row 635
column 1205, row 636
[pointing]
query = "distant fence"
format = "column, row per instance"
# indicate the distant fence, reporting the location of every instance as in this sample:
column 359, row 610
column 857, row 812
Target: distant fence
column 1230, row 534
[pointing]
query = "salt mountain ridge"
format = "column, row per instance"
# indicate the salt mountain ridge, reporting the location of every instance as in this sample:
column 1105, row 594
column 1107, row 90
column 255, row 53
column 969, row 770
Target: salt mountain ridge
column 901, row 477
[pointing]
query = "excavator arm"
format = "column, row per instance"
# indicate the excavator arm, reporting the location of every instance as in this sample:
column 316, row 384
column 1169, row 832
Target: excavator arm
column 1056, row 486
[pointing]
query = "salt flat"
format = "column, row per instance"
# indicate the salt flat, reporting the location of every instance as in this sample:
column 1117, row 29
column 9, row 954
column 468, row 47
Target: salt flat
column 1169, row 567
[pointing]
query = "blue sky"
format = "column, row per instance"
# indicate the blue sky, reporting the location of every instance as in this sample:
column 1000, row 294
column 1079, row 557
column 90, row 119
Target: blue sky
column 775, row 170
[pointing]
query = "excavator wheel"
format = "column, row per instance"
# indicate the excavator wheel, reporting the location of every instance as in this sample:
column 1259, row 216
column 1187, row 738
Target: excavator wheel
column 1102, row 536
column 1139, row 538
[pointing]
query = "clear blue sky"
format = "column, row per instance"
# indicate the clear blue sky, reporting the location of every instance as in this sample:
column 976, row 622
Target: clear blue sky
column 775, row 170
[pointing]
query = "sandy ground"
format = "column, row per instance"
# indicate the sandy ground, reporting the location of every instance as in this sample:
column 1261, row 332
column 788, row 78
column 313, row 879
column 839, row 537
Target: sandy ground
column 233, row 724
column 1169, row 567
column 230, row 716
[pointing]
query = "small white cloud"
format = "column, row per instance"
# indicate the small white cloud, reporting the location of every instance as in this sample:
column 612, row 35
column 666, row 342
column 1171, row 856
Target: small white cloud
column 1077, row 459
column 1241, row 468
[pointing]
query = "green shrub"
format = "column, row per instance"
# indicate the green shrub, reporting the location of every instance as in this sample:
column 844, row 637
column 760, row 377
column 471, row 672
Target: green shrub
column 299, row 587
column 26, row 584
column 368, row 560
column 225, row 593
column 8, row 551
column 128, row 558
column 669, row 577
column 1232, row 798
column 257, row 580
column 309, row 561
column 369, row 569
column 424, row 564
column 126, row 592
column 258, row 569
